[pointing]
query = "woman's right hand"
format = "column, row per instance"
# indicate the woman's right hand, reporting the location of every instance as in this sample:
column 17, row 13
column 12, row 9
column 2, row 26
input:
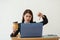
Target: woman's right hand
column 15, row 27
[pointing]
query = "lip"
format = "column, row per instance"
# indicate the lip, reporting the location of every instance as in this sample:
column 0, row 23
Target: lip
column 28, row 20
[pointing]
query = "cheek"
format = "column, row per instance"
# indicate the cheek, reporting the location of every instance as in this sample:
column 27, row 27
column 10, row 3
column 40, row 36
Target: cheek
column 25, row 18
column 30, row 18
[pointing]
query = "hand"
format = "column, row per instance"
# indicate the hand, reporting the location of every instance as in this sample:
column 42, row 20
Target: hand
column 15, row 27
column 40, row 15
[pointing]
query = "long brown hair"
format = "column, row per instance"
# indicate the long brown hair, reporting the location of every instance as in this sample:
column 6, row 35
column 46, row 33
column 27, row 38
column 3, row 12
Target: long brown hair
column 30, row 12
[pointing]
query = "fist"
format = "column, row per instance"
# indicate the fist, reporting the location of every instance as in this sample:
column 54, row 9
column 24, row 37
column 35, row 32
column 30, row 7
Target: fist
column 40, row 14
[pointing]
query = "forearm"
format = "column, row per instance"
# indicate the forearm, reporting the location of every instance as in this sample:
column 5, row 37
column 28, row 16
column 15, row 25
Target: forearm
column 45, row 20
column 14, row 34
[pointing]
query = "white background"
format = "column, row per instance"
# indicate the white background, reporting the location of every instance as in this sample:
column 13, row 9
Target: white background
column 12, row 10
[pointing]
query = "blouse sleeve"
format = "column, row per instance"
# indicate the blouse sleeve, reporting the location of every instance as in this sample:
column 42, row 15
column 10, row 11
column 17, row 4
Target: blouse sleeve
column 45, row 20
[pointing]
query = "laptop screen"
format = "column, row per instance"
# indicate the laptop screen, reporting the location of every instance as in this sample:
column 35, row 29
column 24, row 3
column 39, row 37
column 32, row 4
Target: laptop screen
column 31, row 29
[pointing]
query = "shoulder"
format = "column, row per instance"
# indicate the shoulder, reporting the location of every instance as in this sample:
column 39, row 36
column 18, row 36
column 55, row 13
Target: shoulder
column 19, row 24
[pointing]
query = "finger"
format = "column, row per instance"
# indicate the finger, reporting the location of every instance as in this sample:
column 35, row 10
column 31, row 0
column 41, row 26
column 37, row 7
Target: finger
column 39, row 14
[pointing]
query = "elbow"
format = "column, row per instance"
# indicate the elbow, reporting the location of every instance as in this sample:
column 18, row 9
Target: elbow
column 12, row 35
column 46, row 21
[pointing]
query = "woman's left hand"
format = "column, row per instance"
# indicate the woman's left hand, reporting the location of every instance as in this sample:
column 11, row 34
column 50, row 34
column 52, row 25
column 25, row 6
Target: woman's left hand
column 40, row 15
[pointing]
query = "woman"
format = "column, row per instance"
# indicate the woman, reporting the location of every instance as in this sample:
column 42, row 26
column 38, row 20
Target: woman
column 28, row 18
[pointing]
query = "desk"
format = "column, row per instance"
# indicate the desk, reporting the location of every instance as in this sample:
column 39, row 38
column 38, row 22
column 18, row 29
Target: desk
column 41, row 38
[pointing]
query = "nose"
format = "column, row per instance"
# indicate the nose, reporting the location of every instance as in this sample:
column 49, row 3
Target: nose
column 28, row 18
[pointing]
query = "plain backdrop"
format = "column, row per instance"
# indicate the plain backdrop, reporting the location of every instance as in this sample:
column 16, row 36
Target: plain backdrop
column 12, row 10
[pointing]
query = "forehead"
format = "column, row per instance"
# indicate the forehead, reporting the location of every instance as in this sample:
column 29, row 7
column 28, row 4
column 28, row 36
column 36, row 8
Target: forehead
column 28, row 14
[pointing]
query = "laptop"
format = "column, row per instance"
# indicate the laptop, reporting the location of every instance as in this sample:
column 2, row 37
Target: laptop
column 31, row 30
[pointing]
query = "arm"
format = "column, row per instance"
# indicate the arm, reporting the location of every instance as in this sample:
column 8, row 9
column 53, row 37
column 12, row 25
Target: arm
column 15, row 33
column 45, row 20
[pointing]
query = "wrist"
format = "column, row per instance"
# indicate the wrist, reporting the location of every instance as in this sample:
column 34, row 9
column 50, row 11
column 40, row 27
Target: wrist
column 43, row 16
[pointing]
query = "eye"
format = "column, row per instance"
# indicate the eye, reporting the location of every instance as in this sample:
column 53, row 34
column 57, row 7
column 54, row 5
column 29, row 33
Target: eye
column 27, row 16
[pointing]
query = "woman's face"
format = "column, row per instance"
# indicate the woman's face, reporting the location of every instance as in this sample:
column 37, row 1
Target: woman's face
column 27, row 17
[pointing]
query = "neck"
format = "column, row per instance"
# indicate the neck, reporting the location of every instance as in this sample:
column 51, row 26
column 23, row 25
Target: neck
column 26, row 22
